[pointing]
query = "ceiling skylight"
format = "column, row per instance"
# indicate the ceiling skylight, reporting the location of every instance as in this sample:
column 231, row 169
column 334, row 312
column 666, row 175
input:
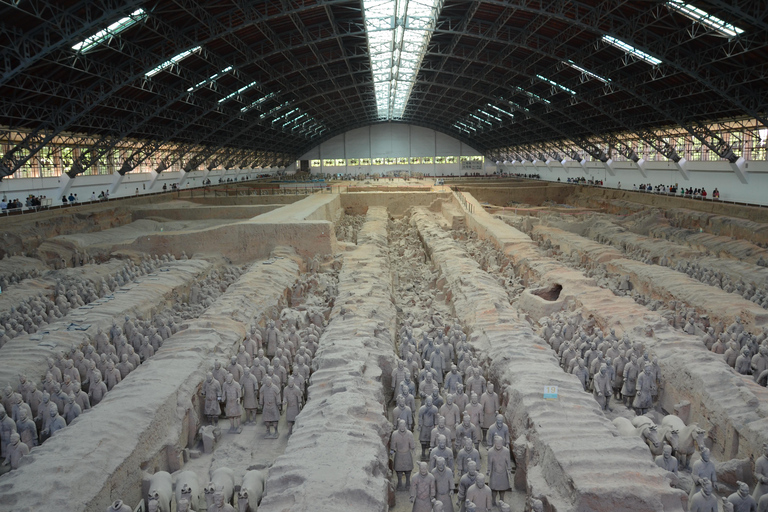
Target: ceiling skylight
column 112, row 30
column 703, row 17
column 210, row 79
column 569, row 62
column 398, row 33
column 240, row 90
column 556, row 85
column 173, row 60
column 631, row 50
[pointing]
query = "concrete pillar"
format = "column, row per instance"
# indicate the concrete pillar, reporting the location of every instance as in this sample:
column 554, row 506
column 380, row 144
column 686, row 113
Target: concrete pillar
column 117, row 180
column 740, row 169
column 65, row 183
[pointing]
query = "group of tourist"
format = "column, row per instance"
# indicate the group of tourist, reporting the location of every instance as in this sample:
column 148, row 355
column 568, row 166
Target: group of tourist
column 31, row 201
column 581, row 180
column 695, row 193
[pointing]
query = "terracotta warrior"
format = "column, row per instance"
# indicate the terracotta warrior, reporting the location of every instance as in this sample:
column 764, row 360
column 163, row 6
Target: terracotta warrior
column 57, row 422
column 499, row 468
column 466, row 454
column 422, row 489
column 7, row 427
column 703, row 470
column 741, row 500
column 490, row 403
column 97, row 389
column 703, row 500
column 212, row 392
column 16, row 450
column 441, row 451
column 427, row 421
column 666, row 461
column 443, row 485
column 269, row 399
column 761, row 474
column 467, row 480
column 401, row 446
column 119, row 506
column 230, row 395
column 250, row 391
column 480, row 494
column 499, row 428
column 293, row 401
column 402, row 412
column 643, row 391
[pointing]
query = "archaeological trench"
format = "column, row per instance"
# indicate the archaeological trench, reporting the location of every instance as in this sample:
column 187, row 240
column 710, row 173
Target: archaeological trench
column 252, row 352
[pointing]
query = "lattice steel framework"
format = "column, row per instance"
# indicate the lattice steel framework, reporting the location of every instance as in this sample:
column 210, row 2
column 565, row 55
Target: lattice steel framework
column 311, row 57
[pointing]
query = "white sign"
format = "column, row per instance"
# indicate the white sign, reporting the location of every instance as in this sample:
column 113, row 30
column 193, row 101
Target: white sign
column 550, row 392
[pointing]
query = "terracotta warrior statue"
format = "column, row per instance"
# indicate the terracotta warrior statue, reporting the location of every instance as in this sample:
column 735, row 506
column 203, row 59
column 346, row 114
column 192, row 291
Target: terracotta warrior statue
column 401, row 446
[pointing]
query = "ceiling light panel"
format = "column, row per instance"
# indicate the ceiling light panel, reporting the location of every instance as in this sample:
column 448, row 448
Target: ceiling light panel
column 210, row 79
column 398, row 33
column 590, row 74
column 556, row 85
column 173, row 60
column 631, row 50
column 706, row 19
column 112, row 30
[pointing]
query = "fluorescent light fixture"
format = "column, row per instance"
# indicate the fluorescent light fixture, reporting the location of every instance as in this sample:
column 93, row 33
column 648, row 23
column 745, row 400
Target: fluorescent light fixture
column 481, row 119
column 173, row 60
column 621, row 45
column 274, row 110
column 533, row 95
column 259, row 102
column 294, row 119
column 489, row 115
column 572, row 64
column 501, row 110
column 703, row 17
column 243, row 88
column 519, row 107
column 112, row 30
column 284, row 115
column 398, row 33
column 462, row 129
column 467, row 126
column 555, row 84
column 210, row 79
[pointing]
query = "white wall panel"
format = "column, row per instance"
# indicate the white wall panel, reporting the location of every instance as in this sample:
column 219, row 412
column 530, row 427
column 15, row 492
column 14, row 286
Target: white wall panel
column 422, row 141
column 390, row 139
column 358, row 143
column 447, row 146
column 333, row 148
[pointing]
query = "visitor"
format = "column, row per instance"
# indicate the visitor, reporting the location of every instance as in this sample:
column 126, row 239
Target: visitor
column 3, row 204
column 71, row 198
column 93, row 196
column 703, row 194
column 64, row 200
column 165, row 187
column 715, row 194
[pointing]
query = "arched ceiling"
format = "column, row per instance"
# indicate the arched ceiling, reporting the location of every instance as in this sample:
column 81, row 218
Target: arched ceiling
column 282, row 76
